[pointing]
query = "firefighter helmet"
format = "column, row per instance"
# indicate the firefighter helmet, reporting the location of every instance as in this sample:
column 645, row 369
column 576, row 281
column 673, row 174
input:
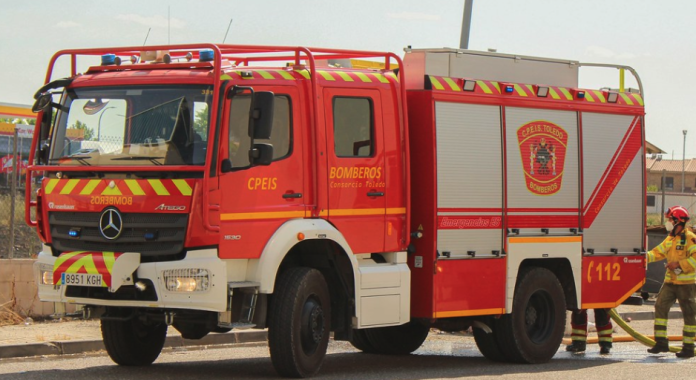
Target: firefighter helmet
column 677, row 213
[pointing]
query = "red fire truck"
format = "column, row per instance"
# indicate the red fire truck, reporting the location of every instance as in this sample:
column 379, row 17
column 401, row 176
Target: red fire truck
column 213, row 187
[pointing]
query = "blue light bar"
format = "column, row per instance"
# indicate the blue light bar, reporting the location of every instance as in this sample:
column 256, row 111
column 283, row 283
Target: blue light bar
column 581, row 94
column 206, row 55
column 509, row 89
column 108, row 59
column 74, row 232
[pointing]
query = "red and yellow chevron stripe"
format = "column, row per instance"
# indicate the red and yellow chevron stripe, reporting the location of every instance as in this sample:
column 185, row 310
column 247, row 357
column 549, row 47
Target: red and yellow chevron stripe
column 327, row 75
column 439, row 83
column 120, row 187
column 85, row 262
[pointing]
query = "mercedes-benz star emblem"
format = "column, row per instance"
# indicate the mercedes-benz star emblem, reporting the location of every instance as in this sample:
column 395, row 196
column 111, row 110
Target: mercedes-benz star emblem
column 111, row 223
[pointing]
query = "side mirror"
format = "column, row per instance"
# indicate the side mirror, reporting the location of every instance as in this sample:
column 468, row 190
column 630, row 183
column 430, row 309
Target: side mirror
column 42, row 103
column 226, row 165
column 262, row 114
column 261, row 154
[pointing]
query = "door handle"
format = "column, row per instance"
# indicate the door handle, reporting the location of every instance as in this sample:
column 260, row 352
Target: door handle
column 375, row 194
column 292, row 195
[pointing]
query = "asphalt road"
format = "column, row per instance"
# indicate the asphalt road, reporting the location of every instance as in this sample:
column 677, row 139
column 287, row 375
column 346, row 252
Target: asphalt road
column 441, row 357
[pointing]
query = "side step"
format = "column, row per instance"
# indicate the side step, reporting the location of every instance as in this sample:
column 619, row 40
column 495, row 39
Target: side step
column 248, row 306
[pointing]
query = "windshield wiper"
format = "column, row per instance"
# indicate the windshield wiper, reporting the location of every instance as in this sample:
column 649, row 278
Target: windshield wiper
column 81, row 159
column 140, row 158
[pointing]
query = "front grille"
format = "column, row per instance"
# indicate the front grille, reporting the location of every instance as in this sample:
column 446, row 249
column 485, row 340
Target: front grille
column 169, row 231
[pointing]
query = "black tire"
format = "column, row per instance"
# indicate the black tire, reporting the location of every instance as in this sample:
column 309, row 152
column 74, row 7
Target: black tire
column 362, row 342
column 397, row 340
column 645, row 296
column 299, row 322
column 133, row 342
column 534, row 330
column 487, row 343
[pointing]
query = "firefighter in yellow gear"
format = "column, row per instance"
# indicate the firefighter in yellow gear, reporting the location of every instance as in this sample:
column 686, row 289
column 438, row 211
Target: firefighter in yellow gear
column 679, row 249
column 578, row 322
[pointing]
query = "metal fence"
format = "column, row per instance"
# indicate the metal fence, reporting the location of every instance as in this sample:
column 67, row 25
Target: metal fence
column 17, row 239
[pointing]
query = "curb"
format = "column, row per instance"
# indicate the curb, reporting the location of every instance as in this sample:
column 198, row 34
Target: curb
column 648, row 315
column 70, row 347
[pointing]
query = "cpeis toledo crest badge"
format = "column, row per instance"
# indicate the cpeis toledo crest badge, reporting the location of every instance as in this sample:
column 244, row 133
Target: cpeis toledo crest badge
column 543, row 147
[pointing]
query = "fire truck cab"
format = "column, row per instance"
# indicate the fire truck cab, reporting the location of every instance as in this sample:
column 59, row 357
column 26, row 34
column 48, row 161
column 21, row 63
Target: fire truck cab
column 212, row 187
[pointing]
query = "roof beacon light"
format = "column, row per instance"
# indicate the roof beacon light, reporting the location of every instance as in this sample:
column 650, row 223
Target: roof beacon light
column 469, row 85
column 580, row 94
column 542, row 91
column 509, row 88
column 108, row 59
column 612, row 97
column 206, row 55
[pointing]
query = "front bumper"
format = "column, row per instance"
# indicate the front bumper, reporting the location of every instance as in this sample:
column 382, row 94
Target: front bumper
column 214, row 298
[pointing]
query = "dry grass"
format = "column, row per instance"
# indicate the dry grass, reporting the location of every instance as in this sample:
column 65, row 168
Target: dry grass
column 8, row 316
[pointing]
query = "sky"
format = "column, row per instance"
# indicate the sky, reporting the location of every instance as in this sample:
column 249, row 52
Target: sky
column 654, row 37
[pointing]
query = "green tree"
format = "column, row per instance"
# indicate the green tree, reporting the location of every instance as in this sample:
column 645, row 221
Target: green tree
column 200, row 123
column 88, row 132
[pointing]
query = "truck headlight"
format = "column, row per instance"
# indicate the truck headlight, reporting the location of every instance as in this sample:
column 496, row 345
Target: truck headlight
column 186, row 280
column 46, row 274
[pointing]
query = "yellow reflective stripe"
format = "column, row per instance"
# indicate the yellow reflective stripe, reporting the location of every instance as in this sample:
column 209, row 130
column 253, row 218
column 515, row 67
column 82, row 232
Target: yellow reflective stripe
column 380, row 77
column 69, row 186
column 183, row 186
column 599, row 96
column 520, row 91
column 396, row 211
column 364, row 77
column 688, row 339
column 589, row 97
column 326, row 76
column 689, row 328
column 392, row 76
column 661, row 321
column 638, row 99
column 605, row 332
column 452, row 84
column 225, row 77
column 484, row 87
column 285, row 75
column 134, row 187
column 344, row 76
column 109, row 260
column 356, row 211
column 578, row 338
column 158, row 187
column 626, row 98
column 553, row 93
column 109, row 191
column 265, row 74
column 692, row 262
column 64, row 257
column 686, row 277
column 651, row 257
column 304, row 73
column 577, row 331
column 565, row 92
column 51, row 185
column 436, row 83
column 87, row 190
column 263, row 215
column 604, row 339
column 83, row 262
column 497, row 86
column 661, row 334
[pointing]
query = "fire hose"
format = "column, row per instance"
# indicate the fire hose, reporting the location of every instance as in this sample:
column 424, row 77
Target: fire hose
column 635, row 335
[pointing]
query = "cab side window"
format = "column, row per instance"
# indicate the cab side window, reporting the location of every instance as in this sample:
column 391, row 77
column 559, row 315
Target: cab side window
column 239, row 140
column 353, row 127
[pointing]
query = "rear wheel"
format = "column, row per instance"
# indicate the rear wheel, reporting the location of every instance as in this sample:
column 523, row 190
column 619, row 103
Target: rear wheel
column 133, row 342
column 299, row 322
column 533, row 331
column 362, row 342
column 487, row 343
column 397, row 340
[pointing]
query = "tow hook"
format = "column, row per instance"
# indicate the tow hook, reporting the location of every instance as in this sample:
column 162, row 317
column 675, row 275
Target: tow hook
column 169, row 318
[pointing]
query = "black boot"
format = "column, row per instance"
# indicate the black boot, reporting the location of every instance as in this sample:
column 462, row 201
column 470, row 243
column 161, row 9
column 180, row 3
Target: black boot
column 604, row 348
column 661, row 345
column 686, row 352
column 576, row 346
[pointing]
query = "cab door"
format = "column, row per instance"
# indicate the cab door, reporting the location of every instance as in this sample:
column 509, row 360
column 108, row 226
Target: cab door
column 356, row 173
column 257, row 200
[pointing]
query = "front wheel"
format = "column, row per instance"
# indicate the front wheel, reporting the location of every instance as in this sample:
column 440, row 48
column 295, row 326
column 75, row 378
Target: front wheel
column 133, row 342
column 533, row 331
column 299, row 322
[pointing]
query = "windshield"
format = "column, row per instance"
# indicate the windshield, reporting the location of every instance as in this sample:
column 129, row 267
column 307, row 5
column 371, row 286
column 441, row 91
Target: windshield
column 132, row 126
